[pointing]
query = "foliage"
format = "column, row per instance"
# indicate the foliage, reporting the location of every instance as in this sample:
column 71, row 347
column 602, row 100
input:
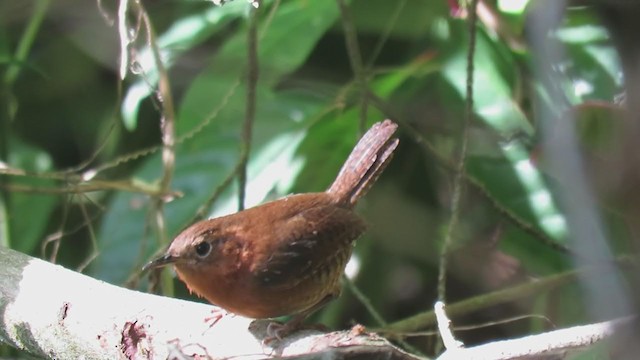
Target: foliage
column 70, row 125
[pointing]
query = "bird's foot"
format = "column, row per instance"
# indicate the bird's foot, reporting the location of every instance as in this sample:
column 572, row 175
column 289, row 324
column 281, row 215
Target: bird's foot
column 277, row 331
column 216, row 315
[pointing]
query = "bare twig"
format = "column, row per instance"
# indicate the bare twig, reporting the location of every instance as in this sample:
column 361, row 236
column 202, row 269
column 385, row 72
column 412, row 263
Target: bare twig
column 166, row 99
column 355, row 58
column 26, row 41
column 459, row 174
column 250, row 110
column 123, row 33
column 477, row 326
column 444, row 327
column 537, row 287
column 56, row 237
column 547, row 345
column 385, row 33
column 364, row 300
column 95, row 251
column 167, row 125
column 94, row 185
column 269, row 18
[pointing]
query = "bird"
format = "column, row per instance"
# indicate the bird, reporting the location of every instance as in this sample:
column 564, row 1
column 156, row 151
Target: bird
column 287, row 256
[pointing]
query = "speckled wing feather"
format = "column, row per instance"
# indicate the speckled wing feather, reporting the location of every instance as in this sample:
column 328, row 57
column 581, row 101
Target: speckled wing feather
column 310, row 243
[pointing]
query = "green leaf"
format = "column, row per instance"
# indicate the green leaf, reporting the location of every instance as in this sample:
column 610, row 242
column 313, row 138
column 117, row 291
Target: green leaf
column 178, row 39
column 28, row 213
column 492, row 86
column 214, row 105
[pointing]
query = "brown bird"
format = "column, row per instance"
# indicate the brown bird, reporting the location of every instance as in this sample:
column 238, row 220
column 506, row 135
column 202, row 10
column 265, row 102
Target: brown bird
column 284, row 257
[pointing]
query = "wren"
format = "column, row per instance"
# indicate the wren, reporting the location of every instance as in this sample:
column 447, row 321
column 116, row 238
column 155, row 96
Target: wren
column 284, row 257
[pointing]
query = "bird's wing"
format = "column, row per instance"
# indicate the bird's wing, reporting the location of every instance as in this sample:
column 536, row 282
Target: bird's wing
column 309, row 243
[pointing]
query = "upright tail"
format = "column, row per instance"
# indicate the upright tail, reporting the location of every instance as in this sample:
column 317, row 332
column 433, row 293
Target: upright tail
column 365, row 163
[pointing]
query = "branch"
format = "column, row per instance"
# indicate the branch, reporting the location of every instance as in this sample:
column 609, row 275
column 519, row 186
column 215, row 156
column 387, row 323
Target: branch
column 458, row 180
column 250, row 111
column 355, row 58
column 547, row 345
column 53, row 312
column 480, row 302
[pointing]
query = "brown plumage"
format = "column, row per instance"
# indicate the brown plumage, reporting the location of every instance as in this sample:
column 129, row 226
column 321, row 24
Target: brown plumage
column 286, row 256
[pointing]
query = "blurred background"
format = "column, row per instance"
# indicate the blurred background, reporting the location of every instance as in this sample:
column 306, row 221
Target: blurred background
column 83, row 182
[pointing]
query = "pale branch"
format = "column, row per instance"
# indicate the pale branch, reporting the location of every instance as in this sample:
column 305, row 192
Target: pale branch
column 56, row 313
column 483, row 301
column 444, row 328
column 550, row 345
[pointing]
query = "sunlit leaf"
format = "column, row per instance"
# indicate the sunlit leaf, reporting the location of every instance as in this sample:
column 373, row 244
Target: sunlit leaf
column 217, row 101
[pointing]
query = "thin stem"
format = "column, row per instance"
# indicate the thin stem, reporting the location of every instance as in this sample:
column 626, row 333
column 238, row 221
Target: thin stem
column 393, row 19
column 166, row 99
column 26, row 41
column 95, row 185
column 167, row 126
column 364, row 300
column 250, row 110
column 459, row 175
column 484, row 301
column 448, row 165
column 92, row 237
column 355, row 58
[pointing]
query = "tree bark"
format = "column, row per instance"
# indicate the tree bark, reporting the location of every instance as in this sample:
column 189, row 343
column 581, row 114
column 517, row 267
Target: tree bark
column 56, row 313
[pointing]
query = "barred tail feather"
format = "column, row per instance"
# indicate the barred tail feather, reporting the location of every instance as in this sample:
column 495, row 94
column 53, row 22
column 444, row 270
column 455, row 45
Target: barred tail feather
column 365, row 163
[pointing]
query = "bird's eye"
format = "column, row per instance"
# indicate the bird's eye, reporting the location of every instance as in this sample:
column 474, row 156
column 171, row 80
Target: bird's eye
column 203, row 249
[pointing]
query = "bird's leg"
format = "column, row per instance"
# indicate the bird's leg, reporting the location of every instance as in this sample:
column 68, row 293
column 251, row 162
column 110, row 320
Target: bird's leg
column 216, row 315
column 278, row 331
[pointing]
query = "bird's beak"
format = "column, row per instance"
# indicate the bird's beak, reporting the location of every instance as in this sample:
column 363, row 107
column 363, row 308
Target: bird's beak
column 163, row 260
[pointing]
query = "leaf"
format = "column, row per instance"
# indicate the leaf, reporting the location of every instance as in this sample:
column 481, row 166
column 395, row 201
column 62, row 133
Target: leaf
column 492, row 87
column 494, row 105
column 182, row 36
column 28, row 213
column 214, row 105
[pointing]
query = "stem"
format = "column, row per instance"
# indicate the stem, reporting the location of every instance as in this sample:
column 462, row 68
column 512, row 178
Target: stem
column 250, row 111
column 459, row 175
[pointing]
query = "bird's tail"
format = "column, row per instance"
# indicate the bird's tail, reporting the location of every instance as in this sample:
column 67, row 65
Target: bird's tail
column 365, row 163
